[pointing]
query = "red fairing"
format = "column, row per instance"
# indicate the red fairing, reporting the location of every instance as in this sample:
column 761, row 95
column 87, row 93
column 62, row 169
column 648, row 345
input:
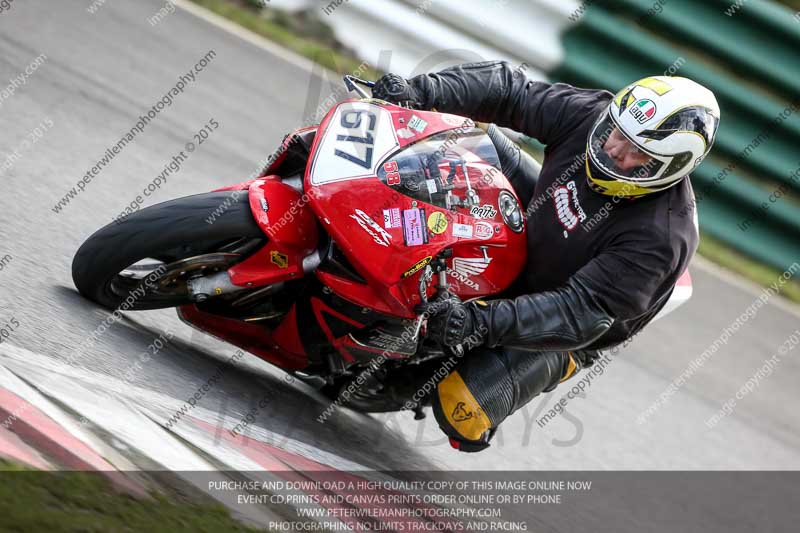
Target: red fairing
column 248, row 336
column 291, row 227
column 388, row 232
column 287, row 336
column 393, row 188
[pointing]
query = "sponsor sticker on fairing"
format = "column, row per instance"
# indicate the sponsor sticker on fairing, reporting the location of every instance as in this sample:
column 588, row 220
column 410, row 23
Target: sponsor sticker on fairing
column 483, row 211
column 278, row 259
column 463, row 231
column 437, row 222
column 483, row 230
column 417, row 267
column 417, row 124
column 415, row 232
column 455, row 120
column 391, row 218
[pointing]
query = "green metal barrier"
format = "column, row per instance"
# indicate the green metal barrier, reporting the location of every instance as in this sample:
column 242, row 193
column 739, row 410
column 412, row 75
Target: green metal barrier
column 741, row 42
column 751, row 62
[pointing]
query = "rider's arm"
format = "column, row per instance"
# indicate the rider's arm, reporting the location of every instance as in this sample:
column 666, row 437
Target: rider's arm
column 622, row 283
column 492, row 91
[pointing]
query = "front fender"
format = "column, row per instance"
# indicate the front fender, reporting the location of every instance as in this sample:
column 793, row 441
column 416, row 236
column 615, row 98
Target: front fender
column 285, row 217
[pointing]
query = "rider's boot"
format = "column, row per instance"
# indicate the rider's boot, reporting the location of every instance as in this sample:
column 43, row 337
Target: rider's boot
column 491, row 384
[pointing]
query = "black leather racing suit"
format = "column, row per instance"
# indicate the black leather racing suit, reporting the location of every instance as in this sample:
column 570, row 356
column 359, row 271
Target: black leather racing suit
column 599, row 268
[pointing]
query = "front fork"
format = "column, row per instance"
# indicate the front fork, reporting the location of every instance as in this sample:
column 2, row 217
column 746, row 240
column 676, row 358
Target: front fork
column 290, row 251
column 438, row 268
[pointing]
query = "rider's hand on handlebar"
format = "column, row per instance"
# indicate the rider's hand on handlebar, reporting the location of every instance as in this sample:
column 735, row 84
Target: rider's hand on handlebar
column 393, row 88
column 451, row 322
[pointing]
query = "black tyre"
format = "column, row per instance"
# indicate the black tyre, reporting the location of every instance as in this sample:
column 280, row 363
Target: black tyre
column 166, row 244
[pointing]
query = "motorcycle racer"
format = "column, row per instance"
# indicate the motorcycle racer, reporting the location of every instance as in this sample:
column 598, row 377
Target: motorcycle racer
column 608, row 236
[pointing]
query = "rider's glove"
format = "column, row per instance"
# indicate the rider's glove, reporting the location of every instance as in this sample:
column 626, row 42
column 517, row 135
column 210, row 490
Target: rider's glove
column 397, row 90
column 451, row 322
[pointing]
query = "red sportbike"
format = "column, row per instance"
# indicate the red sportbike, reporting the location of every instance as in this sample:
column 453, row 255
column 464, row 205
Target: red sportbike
column 316, row 266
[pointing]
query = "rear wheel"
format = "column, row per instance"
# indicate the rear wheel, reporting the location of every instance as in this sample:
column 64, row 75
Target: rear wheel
column 153, row 253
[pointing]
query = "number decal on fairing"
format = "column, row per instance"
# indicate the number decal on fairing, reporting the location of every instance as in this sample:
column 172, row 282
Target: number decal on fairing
column 392, row 175
column 351, row 120
column 359, row 136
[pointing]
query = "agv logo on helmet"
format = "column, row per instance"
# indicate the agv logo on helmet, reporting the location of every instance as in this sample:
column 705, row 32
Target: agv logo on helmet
column 643, row 110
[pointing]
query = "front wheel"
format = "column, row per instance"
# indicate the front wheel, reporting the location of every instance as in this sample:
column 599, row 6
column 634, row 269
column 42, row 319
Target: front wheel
column 147, row 258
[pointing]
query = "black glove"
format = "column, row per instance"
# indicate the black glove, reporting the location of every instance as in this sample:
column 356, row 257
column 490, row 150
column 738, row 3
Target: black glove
column 451, row 322
column 393, row 88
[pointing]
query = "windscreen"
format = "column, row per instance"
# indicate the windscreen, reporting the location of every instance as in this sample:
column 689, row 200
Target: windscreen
column 445, row 162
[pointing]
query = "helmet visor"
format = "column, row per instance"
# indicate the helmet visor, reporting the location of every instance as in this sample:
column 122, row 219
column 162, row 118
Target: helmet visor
column 617, row 156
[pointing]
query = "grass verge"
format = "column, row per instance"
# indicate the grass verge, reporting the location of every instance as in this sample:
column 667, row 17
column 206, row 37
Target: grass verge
column 57, row 502
column 301, row 34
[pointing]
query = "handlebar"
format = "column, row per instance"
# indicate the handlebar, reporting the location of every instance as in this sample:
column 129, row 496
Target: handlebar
column 351, row 83
column 436, row 267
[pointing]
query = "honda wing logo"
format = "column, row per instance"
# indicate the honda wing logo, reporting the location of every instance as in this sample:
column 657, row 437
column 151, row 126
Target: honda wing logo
column 470, row 266
column 464, row 267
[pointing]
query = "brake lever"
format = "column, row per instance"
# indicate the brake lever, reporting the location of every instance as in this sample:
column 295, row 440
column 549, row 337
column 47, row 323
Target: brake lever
column 351, row 82
column 424, row 282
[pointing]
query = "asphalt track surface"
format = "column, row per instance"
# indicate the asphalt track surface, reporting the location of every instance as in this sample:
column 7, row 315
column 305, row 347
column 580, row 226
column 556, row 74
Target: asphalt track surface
column 104, row 70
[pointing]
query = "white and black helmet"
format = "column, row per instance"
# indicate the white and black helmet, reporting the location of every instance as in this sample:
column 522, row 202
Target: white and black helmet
column 666, row 125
